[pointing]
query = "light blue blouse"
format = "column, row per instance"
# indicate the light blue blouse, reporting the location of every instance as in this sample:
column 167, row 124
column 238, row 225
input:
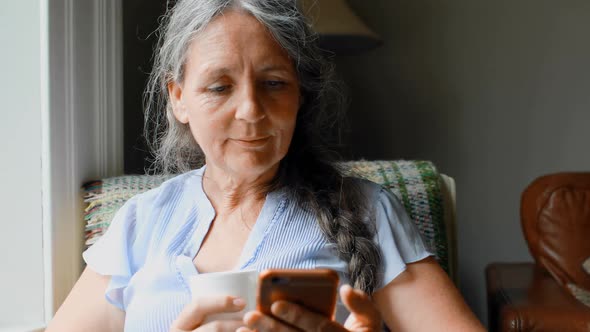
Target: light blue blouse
column 149, row 247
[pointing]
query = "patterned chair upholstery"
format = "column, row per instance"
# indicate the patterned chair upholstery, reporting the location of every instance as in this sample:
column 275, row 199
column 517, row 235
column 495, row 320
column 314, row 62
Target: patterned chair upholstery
column 427, row 196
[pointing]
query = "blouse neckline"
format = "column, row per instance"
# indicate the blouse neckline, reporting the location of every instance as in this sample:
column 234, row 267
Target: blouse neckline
column 206, row 214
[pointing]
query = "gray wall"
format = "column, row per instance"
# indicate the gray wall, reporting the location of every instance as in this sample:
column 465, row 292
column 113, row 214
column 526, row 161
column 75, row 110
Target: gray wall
column 496, row 93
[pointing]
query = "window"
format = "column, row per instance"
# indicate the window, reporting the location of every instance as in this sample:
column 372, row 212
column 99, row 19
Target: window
column 62, row 126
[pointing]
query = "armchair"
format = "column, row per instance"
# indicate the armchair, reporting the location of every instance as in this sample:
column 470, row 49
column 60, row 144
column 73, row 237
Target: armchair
column 553, row 293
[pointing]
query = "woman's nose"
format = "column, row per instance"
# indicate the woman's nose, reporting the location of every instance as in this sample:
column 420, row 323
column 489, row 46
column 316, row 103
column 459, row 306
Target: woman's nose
column 249, row 107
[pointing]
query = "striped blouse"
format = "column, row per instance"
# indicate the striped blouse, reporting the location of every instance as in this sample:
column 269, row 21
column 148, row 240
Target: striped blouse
column 149, row 247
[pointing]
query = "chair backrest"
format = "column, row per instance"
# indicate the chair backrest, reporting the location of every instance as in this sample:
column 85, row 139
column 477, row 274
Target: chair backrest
column 417, row 184
column 555, row 217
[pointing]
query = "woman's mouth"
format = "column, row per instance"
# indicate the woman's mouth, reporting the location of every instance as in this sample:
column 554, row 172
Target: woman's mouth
column 252, row 142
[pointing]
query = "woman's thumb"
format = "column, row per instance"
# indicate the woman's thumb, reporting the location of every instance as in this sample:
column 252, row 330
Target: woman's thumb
column 358, row 302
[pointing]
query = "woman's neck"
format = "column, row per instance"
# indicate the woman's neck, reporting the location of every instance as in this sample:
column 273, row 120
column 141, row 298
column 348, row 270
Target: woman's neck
column 227, row 190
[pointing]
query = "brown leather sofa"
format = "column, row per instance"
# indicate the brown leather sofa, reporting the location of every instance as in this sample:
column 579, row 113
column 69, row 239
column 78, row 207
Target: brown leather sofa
column 553, row 293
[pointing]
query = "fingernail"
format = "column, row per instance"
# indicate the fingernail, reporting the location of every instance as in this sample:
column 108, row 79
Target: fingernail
column 250, row 319
column 278, row 309
column 238, row 302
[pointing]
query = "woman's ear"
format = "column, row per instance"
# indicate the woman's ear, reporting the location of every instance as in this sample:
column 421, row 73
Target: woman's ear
column 178, row 107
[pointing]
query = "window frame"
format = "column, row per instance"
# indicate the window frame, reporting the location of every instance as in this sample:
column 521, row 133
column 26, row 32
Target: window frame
column 82, row 124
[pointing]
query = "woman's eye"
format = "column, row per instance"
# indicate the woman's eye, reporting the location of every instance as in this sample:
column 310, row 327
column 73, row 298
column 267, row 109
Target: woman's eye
column 219, row 88
column 274, row 84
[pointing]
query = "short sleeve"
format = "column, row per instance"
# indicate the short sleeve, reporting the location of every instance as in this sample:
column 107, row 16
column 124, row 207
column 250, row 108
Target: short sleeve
column 397, row 236
column 111, row 255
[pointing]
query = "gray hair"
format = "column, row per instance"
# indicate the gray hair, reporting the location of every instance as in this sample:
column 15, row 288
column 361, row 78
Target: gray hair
column 308, row 171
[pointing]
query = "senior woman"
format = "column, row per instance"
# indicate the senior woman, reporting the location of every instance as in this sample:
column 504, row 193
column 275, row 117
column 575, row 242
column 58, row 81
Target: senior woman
column 242, row 86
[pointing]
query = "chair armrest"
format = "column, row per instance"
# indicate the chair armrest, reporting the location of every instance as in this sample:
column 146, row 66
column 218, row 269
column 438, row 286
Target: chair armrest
column 524, row 297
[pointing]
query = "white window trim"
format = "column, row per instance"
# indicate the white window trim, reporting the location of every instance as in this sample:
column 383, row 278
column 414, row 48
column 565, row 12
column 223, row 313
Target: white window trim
column 82, row 121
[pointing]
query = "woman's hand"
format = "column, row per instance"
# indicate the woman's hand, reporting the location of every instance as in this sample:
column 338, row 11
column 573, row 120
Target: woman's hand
column 195, row 313
column 363, row 316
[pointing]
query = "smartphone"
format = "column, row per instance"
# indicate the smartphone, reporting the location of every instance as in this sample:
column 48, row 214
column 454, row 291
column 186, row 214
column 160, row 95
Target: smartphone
column 314, row 289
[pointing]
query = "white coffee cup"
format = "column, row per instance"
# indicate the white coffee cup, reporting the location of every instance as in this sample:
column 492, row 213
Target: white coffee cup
column 240, row 284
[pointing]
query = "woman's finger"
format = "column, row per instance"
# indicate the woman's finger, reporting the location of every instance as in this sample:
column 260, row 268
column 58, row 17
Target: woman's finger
column 302, row 318
column 244, row 329
column 255, row 320
column 221, row 326
column 359, row 303
column 195, row 313
column 363, row 312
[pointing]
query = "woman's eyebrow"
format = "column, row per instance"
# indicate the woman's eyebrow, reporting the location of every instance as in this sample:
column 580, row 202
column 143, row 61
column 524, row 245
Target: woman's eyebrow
column 275, row 68
column 212, row 69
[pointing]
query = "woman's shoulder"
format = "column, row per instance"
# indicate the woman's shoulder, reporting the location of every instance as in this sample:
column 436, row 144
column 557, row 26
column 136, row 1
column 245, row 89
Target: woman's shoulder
column 168, row 203
column 169, row 190
column 397, row 236
column 160, row 210
column 384, row 202
column 380, row 200
column 373, row 192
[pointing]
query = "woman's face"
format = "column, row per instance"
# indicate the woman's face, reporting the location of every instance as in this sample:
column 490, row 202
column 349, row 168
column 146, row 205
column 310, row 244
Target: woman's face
column 240, row 95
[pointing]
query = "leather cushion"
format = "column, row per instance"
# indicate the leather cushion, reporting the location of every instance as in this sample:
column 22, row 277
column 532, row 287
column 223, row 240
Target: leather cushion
column 556, row 221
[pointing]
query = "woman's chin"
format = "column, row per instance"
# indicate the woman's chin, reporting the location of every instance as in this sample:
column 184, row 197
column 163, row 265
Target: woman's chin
column 255, row 167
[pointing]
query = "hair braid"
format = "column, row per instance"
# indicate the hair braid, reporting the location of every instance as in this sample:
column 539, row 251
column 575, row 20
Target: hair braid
column 343, row 215
column 347, row 227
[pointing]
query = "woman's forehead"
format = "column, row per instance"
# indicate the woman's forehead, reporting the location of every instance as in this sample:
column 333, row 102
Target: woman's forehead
column 230, row 38
column 221, row 67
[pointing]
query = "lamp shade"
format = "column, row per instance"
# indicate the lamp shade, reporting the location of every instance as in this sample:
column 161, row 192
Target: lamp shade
column 341, row 31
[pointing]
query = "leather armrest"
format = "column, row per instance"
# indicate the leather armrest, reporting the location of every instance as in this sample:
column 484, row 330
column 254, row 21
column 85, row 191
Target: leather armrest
column 523, row 297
